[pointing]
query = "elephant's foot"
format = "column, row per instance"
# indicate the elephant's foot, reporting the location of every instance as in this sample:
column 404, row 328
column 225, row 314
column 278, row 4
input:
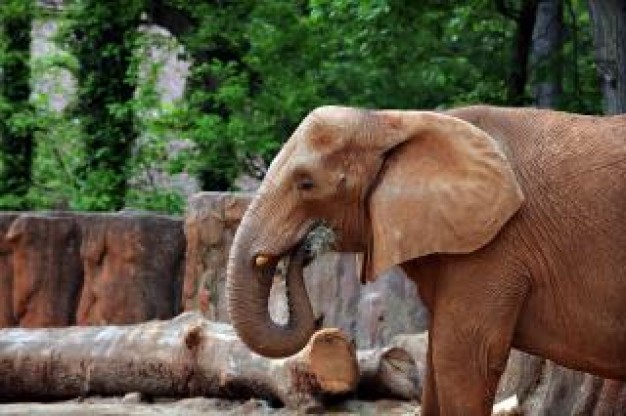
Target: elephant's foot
column 465, row 384
column 429, row 404
column 467, row 360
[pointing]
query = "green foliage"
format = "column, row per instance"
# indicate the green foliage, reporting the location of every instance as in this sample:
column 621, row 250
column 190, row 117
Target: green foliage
column 285, row 58
column 151, row 151
column 580, row 81
column 102, row 37
column 57, row 157
column 18, row 120
column 257, row 67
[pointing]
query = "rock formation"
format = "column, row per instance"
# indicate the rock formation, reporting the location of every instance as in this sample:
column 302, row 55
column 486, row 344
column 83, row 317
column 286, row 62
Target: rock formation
column 59, row 269
column 6, row 272
column 47, row 269
column 133, row 268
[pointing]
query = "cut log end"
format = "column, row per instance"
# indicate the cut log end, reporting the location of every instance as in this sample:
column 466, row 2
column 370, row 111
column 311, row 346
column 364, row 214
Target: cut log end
column 388, row 372
column 398, row 370
column 332, row 359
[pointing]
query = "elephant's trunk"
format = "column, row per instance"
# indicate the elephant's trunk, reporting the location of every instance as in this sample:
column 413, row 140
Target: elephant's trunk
column 248, row 290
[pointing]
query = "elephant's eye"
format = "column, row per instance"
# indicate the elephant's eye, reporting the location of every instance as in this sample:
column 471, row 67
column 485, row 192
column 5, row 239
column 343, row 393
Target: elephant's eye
column 305, row 184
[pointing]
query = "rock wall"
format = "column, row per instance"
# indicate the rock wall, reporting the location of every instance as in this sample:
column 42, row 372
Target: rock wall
column 210, row 224
column 47, row 272
column 133, row 269
column 7, row 318
column 545, row 388
column 59, row 269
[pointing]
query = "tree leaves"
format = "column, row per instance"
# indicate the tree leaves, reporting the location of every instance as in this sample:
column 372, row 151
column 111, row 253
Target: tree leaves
column 257, row 68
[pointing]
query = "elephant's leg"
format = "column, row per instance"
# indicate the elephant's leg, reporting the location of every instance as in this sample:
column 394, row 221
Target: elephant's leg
column 429, row 402
column 467, row 369
column 471, row 337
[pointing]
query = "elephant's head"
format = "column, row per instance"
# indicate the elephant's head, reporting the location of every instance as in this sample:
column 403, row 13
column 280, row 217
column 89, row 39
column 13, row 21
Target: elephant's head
column 394, row 184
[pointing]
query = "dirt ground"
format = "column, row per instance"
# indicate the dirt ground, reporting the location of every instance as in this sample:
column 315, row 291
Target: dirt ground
column 132, row 406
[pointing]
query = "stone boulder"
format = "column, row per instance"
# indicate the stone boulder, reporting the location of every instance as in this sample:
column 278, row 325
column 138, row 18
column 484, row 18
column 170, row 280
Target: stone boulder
column 47, row 269
column 6, row 272
column 210, row 224
column 133, row 268
column 59, row 269
column 559, row 390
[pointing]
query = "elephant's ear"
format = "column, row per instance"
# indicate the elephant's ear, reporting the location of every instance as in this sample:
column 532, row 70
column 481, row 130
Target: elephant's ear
column 445, row 186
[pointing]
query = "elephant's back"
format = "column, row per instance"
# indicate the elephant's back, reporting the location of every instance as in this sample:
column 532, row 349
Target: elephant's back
column 558, row 151
column 571, row 230
column 571, row 167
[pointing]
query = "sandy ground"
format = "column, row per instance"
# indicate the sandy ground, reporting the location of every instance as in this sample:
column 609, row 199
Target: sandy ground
column 131, row 405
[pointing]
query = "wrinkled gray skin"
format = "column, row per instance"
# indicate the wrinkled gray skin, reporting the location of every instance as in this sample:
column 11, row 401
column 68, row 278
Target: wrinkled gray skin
column 551, row 281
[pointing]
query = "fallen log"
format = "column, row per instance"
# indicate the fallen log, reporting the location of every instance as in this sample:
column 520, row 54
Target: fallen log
column 388, row 373
column 183, row 357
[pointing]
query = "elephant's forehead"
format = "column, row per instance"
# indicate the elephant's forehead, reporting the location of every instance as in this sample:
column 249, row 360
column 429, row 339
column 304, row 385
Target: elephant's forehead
column 319, row 137
column 281, row 158
column 337, row 115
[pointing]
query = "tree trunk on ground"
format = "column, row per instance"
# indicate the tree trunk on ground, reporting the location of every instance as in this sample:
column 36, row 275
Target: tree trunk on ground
column 196, row 406
column 417, row 347
column 388, row 372
column 608, row 19
column 186, row 356
column 521, row 377
column 545, row 59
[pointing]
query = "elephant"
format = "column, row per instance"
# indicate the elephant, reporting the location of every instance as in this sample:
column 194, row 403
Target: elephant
column 511, row 222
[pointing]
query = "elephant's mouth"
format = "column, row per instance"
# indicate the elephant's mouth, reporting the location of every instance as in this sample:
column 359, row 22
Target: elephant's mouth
column 319, row 240
column 315, row 240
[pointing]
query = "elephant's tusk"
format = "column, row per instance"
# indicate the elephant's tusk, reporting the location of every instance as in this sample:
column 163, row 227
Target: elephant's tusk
column 261, row 260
